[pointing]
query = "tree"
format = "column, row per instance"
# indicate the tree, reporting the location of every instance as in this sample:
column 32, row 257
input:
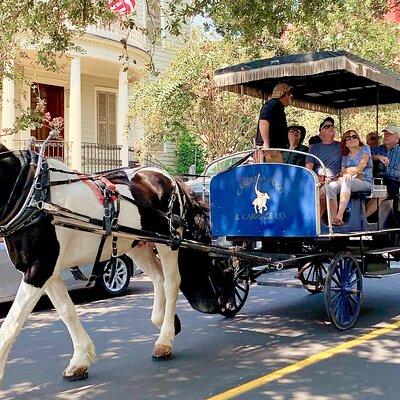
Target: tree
column 50, row 26
column 249, row 19
column 185, row 98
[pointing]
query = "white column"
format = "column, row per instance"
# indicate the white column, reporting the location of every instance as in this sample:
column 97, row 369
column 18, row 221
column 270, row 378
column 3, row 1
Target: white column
column 122, row 111
column 26, row 103
column 8, row 111
column 75, row 123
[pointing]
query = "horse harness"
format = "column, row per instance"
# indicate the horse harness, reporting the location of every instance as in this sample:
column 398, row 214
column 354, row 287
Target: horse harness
column 34, row 179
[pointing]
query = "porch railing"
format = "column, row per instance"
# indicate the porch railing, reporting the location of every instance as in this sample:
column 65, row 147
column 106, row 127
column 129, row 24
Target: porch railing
column 100, row 157
column 151, row 161
column 57, row 149
column 95, row 157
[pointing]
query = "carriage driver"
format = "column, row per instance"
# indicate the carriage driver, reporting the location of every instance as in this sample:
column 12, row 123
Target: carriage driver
column 272, row 131
column 328, row 150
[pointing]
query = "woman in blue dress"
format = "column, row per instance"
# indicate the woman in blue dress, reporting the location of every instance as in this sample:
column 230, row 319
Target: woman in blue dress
column 356, row 174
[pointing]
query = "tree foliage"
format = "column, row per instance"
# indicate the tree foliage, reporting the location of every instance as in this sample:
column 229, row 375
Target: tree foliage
column 249, row 19
column 184, row 98
column 189, row 152
column 49, row 26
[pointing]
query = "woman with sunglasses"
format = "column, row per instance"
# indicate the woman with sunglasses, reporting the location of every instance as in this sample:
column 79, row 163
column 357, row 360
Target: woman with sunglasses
column 296, row 135
column 356, row 174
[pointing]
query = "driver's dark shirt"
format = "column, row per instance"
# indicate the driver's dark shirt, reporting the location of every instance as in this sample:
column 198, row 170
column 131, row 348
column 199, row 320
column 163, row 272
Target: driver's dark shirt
column 274, row 112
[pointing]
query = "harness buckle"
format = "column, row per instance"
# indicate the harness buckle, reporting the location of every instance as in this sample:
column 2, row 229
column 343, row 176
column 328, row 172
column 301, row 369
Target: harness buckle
column 114, row 247
column 106, row 212
column 38, row 186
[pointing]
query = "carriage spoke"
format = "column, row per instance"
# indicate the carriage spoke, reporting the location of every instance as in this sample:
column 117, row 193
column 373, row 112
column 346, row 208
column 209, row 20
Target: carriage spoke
column 243, row 289
column 238, row 295
column 336, row 281
column 351, row 305
column 355, row 300
column 358, row 279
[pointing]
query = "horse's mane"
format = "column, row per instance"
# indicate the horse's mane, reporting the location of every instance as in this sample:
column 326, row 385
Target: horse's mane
column 196, row 215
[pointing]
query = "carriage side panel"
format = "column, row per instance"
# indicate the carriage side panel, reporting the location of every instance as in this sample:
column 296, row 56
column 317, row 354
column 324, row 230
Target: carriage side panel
column 264, row 200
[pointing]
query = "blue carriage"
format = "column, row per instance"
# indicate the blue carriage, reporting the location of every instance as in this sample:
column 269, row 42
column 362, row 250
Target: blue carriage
column 271, row 210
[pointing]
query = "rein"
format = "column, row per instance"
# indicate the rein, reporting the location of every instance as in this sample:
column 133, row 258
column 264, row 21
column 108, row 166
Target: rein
column 94, row 177
column 34, row 177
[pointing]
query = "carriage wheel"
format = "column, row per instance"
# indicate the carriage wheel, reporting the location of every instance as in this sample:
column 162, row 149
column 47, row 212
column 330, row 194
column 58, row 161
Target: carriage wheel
column 238, row 297
column 343, row 291
column 312, row 275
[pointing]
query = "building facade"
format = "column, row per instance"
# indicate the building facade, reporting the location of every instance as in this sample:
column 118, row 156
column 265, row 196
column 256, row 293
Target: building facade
column 91, row 92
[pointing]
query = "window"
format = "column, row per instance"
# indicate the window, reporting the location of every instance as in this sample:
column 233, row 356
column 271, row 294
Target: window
column 106, row 117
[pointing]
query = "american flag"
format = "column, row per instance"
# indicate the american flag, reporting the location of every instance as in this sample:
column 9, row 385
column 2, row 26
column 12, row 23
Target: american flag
column 121, row 6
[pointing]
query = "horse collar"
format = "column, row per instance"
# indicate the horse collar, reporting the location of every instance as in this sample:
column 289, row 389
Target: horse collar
column 24, row 206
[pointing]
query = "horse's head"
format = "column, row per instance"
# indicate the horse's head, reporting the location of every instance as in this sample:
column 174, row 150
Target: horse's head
column 9, row 170
column 196, row 216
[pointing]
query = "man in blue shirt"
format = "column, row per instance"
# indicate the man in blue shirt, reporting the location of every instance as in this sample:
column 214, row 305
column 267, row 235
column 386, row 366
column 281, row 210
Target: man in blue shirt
column 328, row 151
column 388, row 154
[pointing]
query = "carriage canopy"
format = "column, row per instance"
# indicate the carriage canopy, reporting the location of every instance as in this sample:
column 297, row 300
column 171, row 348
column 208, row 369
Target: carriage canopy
column 326, row 81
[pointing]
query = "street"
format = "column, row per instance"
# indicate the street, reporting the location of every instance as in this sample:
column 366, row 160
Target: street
column 276, row 328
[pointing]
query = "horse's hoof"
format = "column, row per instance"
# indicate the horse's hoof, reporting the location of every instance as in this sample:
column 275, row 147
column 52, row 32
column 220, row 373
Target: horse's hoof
column 177, row 324
column 79, row 374
column 161, row 353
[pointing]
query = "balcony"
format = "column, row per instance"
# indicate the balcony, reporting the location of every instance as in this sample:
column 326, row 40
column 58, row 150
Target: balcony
column 115, row 32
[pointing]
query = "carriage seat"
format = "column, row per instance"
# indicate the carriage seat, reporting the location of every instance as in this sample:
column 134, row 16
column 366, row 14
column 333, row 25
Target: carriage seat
column 357, row 219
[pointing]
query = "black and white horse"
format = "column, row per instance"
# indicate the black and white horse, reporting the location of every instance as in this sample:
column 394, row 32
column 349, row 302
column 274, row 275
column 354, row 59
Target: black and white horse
column 42, row 250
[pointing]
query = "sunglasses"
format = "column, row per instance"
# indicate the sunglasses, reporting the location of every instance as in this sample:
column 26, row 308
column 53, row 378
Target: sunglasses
column 295, row 131
column 328, row 126
column 351, row 137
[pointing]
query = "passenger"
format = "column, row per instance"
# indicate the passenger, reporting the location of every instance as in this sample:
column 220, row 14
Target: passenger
column 328, row 150
column 356, row 174
column 314, row 139
column 296, row 135
column 388, row 154
column 372, row 139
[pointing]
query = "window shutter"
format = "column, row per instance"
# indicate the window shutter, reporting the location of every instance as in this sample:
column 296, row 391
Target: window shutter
column 106, row 117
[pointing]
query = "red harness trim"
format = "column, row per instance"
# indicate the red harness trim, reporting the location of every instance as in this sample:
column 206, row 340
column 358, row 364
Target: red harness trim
column 96, row 190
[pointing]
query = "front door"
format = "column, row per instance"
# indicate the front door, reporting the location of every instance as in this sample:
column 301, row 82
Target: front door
column 54, row 98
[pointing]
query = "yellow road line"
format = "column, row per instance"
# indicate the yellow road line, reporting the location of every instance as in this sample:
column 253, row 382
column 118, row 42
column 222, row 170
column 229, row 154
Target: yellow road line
column 273, row 376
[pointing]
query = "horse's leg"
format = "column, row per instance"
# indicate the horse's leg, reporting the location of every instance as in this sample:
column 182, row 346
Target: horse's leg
column 26, row 298
column 172, row 280
column 84, row 352
column 143, row 254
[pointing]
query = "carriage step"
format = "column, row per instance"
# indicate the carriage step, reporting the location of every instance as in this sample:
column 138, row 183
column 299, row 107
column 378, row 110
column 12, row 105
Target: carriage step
column 288, row 284
column 382, row 273
column 384, row 250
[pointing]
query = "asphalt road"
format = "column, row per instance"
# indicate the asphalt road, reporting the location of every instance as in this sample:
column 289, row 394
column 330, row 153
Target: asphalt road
column 277, row 328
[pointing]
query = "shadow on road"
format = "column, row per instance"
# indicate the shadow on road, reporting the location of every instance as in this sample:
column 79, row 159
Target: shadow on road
column 87, row 295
